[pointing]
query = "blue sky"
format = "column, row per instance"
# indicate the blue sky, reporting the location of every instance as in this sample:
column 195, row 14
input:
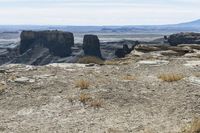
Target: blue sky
column 98, row 12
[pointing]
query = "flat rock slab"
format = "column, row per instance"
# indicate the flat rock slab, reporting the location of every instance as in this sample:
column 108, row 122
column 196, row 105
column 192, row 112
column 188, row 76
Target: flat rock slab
column 192, row 64
column 24, row 80
column 194, row 80
column 66, row 65
column 154, row 62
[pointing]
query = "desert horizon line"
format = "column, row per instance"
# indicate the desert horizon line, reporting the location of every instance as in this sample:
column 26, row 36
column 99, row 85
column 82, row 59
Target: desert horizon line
column 96, row 25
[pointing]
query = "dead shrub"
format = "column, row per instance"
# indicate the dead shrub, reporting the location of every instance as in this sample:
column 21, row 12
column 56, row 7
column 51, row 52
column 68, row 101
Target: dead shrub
column 128, row 77
column 171, row 77
column 91, row 59
column 82, row 84
column 194, row 127
column 83, row 98
column 96, row 104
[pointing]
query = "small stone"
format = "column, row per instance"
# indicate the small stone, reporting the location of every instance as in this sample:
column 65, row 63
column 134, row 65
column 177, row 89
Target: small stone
column 90, row 65
column 22, row 80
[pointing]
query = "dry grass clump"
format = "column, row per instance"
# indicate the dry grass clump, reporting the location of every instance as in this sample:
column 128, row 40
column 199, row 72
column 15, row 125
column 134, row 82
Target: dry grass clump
column 113, row 130
column 194, row 127
column 96, row 104
column 171, row 77
column 82, row 84
column 128, row 77
column 87, row 99
column 91, row 59
column 83, row 98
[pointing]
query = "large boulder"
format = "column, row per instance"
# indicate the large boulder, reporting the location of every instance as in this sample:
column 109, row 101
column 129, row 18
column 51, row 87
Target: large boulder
column 59, row 43
column 91, row 46
column 184, row 38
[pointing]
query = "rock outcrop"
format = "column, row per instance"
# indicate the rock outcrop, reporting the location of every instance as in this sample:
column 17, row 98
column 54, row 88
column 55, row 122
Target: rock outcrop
column 91, row 46
column 59, row 43
column 121, row 53
column 184, row 38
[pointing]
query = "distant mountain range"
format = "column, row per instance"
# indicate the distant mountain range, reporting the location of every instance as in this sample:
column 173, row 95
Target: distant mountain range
column 193, row 26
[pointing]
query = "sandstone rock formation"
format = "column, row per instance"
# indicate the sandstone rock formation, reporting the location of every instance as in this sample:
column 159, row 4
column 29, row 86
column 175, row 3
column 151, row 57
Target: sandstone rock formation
column 184, row 38
column 91, row 46
column 59, row 43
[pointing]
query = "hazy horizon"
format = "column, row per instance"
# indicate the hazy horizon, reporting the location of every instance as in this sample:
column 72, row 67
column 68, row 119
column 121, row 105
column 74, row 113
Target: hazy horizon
column 97, row 12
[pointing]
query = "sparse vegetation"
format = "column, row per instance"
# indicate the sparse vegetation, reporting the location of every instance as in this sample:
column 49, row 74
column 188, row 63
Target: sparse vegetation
column 91, row 59
column 194, row 127
column 171, row 77
column 82, row 84
column 83, row 98
column 96, row 104
column 128, row 77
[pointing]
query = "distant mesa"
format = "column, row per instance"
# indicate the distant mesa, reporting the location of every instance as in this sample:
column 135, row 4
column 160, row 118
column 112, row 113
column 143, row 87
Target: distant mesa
column 44, row 47
column 184, row 38
column 91, row 46
column 59, row 43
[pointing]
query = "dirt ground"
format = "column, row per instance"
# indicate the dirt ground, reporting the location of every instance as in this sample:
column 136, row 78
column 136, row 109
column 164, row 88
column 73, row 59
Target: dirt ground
column 127, row 97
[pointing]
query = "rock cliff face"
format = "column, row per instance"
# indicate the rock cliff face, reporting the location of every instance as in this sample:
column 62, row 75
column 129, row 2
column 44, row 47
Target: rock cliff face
column 184, row 38
column 91, row 46
column 59, row 43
